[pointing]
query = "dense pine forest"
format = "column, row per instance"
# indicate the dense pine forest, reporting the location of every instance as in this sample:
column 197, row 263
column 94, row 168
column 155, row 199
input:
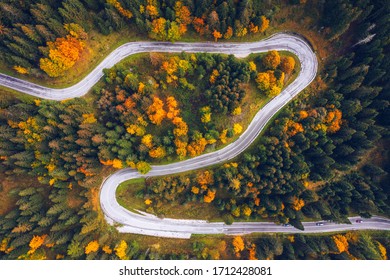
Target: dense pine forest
column 325, row 156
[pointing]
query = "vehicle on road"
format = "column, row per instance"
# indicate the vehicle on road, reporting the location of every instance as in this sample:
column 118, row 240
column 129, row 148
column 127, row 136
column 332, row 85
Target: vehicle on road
column 359, row 221
column 320, row 224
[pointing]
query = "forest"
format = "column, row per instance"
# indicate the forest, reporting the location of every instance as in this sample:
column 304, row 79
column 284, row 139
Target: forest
column 314, row 162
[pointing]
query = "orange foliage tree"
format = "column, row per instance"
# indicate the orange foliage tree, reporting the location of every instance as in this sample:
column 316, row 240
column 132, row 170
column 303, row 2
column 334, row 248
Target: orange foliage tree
column 217, row 35
column 172, row 107
column 63, row 54
column 181, row 127
column 252, row 252
column 333, row 120
column 156, row 112
column 36, row 242
column 271, row 60
column 209, row 197
column 229, row 33
column 341, row 243
column 182, row 13
column 238, row 245
column 269, row 84
column 287, row 65
column 21, row 70
column 195, row 148
column 158, row 152
column 120, row 9
column 199, row 25
column 264, row 24
column 297, row 204
column 92, row 246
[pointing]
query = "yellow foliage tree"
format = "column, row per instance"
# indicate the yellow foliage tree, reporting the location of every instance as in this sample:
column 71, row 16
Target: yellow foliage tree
column 147, row 140
column 136, row 129
column 382, row 250
column 238, row 245
column 158, row 152
column 181, row 148
column 252, row 66
column 21, row 70
column 117, row 163
column 156, row 112
column 92, row 246
column 341, row 243
column 89, row 118
column 246, row 210
column 263, row 81
column 143, row 167
column 298, row 204
column 120, row 9
column 63, row 54
column 181, row 127
column 236, row 111
column 36, row 242
column 264, row 24
column 120, row 250
column 237, row 128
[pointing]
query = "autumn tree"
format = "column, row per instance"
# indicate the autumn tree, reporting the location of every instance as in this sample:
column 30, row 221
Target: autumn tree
column 199, row 25
column 36, row 242
column 126, row 13
column 264, row 24
column 156, row 112
column 92, row 246
column 229, row 33
column 238, row 245
column 271, row 60
column 143, row 167
column 121, row 250
column 217, row 35
column 63, row 53
column 287, row 65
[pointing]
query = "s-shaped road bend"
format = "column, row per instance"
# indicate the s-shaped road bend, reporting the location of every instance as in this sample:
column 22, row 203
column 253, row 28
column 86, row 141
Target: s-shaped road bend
column 142, row 223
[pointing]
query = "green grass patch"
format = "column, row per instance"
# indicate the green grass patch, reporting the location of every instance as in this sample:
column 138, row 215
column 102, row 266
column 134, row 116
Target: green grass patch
column 127, row 194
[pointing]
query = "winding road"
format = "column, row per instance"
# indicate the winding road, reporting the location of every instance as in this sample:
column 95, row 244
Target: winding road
column 147, row 224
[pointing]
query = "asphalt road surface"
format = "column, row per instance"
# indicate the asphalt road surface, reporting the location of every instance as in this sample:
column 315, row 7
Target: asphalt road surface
column 143, row 223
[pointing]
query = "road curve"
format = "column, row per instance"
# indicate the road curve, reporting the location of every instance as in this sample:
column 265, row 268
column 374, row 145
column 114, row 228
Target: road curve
column 143, row 223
